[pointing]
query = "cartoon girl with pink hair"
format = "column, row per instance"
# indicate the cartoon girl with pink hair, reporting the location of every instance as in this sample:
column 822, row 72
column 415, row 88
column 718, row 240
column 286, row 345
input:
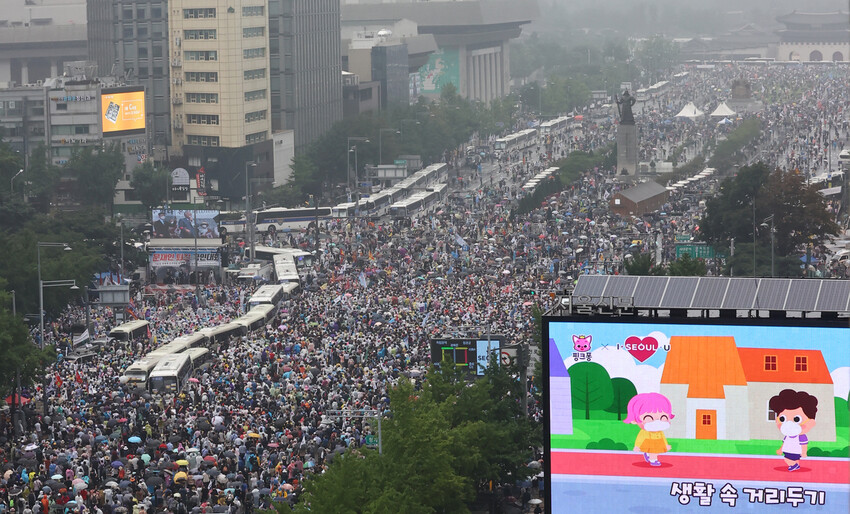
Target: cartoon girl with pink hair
column 652, row 412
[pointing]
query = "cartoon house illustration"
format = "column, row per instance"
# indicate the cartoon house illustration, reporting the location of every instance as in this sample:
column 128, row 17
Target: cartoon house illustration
column 769, row 371
column 704, row 380
column 720, row 391
column 560, row 393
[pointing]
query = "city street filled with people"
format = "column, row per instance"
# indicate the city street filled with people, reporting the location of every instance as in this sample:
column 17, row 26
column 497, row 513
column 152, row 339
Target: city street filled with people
column 253, row 424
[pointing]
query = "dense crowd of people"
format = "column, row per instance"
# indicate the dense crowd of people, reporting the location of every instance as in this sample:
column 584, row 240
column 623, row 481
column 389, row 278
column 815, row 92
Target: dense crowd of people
column 254, row 425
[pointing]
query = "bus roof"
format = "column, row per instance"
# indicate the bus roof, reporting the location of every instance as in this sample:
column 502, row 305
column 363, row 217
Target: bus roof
column 171, row 364
column 130, row 325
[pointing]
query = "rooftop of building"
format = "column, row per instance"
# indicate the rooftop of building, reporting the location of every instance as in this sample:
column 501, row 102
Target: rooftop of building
column 471, row 12
column 816, row 19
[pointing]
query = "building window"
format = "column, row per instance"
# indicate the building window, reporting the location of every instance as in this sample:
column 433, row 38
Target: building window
column 81, row 129
column 255, row 95
column 770, row 362
column 201, row 76
column 143, row 52
column 253, row 53
column 200, row 55
column 801, row 363
column 156, row 12
column 256, row 137
column 771, row 416
column 203, row 140
column 254, row 32
column 199, row 34
column 128, row 30
column 202, row 98
column 199, row 13
column 255, row 116
column 142, row 30
column 202, row 119
column 253, row 10
column 127, row 12
column 254, row 74
column 140, row 12
column 157, row 50
column 706, row 419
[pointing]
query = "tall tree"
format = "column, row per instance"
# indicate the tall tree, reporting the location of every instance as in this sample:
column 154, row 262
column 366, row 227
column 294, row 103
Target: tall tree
column 591, row 387
column 150, row 184
column 685, row 266
column 96, row 174
column 623, row 391
column 748, row 200
column 21, row 358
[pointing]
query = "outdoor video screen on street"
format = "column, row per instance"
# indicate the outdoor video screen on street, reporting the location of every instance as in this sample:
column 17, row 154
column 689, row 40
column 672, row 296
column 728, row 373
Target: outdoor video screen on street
column 184, row 223
column 687, row 415
column 123, row 111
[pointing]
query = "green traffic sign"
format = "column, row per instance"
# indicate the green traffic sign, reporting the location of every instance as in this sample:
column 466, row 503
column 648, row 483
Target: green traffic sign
column 682, row 238
column 371, row 440
column 695, row 251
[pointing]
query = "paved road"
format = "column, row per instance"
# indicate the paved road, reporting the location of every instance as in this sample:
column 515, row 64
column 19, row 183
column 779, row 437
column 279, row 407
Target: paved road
column 701, row 466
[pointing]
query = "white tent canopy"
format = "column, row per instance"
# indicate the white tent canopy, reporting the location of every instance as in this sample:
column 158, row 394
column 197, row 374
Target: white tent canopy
column 722, row 111
column 690, row 111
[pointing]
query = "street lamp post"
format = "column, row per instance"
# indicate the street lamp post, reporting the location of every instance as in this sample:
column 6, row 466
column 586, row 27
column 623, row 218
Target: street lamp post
column 772, row 242
column 12, row 181
column 347, row 160
column 380, row 142
column 41, row 285
column 249, row 225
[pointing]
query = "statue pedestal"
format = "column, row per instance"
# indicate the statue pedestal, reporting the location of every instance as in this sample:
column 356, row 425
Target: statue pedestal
column 627, row 151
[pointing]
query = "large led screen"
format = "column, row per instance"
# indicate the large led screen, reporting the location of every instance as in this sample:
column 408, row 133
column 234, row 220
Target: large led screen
column 663, row 416
column 122, row 111
column 184, row 224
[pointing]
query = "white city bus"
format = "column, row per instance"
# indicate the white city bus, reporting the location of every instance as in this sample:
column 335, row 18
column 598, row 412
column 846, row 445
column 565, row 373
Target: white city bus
column 250, row 322
column 269, row 294
column 221, row 333
column 201, row 358
column 267, row 311
column 171, row 374
column 130, row 330
column 138, row 372
column 282, row 220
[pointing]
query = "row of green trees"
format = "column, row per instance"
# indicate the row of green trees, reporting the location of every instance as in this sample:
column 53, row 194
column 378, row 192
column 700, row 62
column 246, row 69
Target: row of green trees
column 751, row 204
column 442, row 444
column 88, row 178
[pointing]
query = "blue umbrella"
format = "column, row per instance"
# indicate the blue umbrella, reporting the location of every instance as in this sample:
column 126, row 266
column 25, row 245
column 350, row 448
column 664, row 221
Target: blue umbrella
column 135, row 439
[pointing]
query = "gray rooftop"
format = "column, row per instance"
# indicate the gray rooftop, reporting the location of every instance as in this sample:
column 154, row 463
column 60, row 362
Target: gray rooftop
column 644, row 191
column 472, row 12
column 715, row 293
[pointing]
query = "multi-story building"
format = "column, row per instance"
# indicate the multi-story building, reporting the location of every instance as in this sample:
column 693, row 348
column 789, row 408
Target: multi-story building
column 306, row 74
column 473, row 39
column 220, row 101
column 128, row 39
column 38, row 36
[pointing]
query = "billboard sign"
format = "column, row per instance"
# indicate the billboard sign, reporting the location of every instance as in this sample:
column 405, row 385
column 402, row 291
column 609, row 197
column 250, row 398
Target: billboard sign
column 695, row 413
column 180, row 180
column 175, row 259
column 443, row 68
column 185, row 224
column 474, row 354
column 122, row 111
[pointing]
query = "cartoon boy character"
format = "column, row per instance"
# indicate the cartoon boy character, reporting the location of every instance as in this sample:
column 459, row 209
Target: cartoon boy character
column 795, row 417
column 652, row 412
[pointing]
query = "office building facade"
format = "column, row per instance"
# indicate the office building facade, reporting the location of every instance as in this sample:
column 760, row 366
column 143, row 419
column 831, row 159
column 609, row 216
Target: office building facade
column 306, row 71
column 128, row 39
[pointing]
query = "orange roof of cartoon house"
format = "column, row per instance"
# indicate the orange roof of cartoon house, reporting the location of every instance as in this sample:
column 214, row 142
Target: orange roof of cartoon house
column 705, row 363
column 784, row 366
